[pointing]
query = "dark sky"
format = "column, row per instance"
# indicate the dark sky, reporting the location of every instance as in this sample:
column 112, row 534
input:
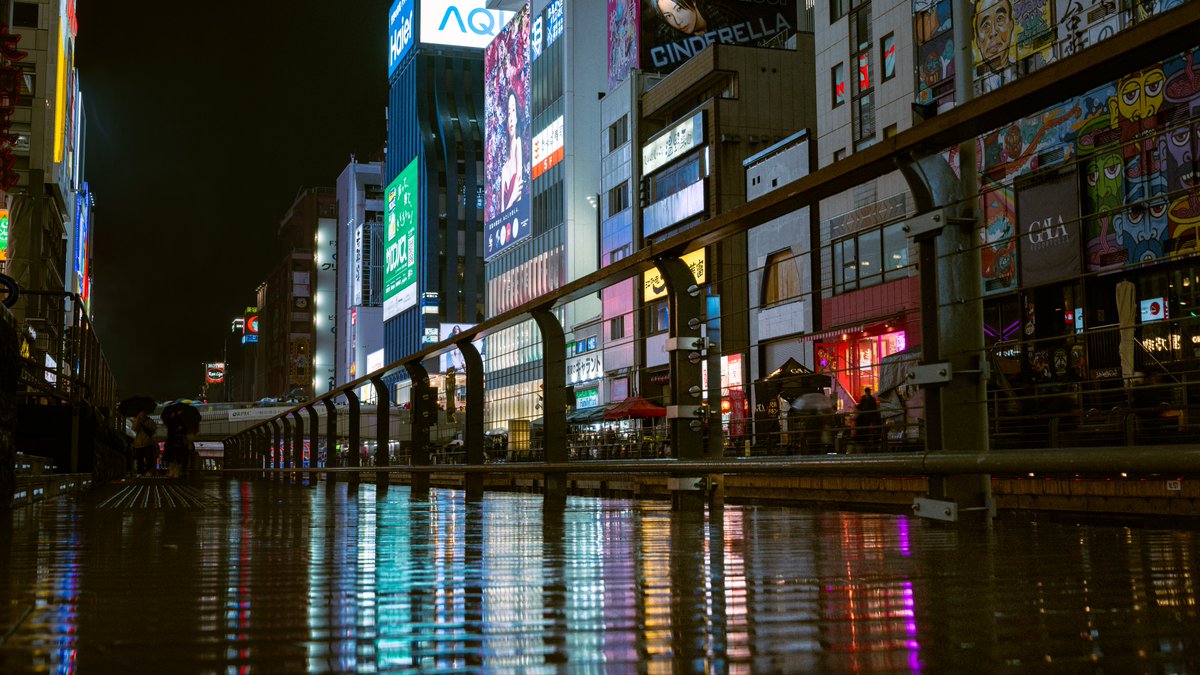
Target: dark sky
column 205, row 119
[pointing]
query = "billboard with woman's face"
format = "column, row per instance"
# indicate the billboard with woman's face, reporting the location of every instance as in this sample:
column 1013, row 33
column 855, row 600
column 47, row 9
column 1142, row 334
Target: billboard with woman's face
column 673, row 31
column 507, row 139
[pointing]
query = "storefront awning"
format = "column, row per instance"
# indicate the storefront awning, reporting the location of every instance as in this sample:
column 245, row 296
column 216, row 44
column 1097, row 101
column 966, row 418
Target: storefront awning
column 588, row 415
column 838, row 333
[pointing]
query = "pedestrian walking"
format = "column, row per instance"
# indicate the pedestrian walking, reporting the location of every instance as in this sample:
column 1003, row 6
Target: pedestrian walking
column 145, row 448
column 867, row 422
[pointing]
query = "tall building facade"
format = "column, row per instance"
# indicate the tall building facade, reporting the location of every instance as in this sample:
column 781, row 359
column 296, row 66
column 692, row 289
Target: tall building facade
column 434, row 172
column 359, row 303
column 45, row 215
column 296, row 303
column 868, row 288
column 545, row 73
column 683, row 110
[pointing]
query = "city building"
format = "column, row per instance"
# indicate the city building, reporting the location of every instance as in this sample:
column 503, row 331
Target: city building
column 868, row 288
column 681, row 114
column 45, row 211
column 434, row 173
column 296, row 303
column 359, row 315
column 544, row 74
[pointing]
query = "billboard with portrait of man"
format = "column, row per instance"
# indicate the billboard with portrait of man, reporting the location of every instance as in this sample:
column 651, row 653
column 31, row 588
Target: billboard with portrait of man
column 673, row 31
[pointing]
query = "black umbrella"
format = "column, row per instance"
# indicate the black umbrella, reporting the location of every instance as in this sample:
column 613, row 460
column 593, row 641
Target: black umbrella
column 133, row 405
column 182, row 414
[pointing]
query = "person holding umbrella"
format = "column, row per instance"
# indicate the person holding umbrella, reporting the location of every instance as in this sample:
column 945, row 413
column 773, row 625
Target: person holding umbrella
column 145, row 449
column 181, row 419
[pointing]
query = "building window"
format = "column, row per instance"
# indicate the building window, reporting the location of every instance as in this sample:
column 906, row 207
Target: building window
column 618, row 133
column 837, row 78
column 616, row 328
column 660, row 317
column 25, row 14
column 837, row 9
column 684, row 174
column 895, row 252
column 863, row 107
column 781, row 281
column 618, row 198
column 870, row 258
column 845, row 265
column 887, row 56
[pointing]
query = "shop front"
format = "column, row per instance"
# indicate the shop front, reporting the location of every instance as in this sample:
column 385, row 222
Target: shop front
column 853, row 359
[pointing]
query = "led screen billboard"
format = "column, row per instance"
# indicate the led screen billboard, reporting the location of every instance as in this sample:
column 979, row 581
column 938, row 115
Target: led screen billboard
column 624, row 17
column 400, row 242
column 400, row 33
column 508, row 151
column 454, row 358
column 673, row 31
column 461, row 23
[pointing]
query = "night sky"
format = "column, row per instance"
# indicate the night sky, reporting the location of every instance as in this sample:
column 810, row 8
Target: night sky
column 204, row 122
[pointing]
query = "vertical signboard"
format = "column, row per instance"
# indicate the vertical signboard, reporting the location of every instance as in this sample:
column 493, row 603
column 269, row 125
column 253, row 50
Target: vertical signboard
column 324, row 309
column 508, row 143
column 624, row 17
column 250, row 326
column 400, row 33
column 400, row 242
column 508, row 151
column 1051, row 238
column 3, row 235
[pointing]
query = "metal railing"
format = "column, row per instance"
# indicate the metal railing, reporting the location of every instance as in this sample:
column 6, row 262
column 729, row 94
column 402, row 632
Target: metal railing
column 1026, row 416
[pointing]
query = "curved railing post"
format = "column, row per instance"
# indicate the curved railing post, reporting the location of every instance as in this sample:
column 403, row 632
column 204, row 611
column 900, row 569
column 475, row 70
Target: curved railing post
column 354, row 456
column 554, row 400
column 276, row 447
column 228, row 452
column 687, row 315
column 298, row 448
column 331, row 437
column 420, row 409
column 285, row 452
column 314, row 439
column 473, row 439
column 383, row 439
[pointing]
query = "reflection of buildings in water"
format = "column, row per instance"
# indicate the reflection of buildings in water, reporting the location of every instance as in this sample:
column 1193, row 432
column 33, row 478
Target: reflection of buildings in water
column 866, row 615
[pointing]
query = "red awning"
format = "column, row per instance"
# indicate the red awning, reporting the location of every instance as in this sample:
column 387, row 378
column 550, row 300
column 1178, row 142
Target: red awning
column 635, row 406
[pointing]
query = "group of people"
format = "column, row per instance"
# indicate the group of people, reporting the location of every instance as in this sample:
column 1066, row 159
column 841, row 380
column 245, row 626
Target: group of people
column 176, row 453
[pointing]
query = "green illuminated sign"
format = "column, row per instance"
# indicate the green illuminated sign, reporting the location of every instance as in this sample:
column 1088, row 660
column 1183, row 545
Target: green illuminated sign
column 400, row 242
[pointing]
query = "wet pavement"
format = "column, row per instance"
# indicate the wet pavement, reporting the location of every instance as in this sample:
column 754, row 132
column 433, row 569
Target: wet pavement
column 224, row 576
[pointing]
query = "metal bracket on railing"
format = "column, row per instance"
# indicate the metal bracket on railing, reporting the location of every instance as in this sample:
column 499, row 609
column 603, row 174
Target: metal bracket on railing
column 930, row 373
column 683, row 411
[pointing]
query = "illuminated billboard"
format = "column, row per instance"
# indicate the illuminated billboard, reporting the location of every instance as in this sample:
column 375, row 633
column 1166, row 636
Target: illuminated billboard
column 82, row 241
column 4, row 226
column 669, row 32
column 624, row 17
column 507, row 151
column 400, row 242
column 454, row 358
column 655, row 287
column 548, row 147
column 461, row 23
column 400, row 33
column 250, row 326
column 215, row 373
